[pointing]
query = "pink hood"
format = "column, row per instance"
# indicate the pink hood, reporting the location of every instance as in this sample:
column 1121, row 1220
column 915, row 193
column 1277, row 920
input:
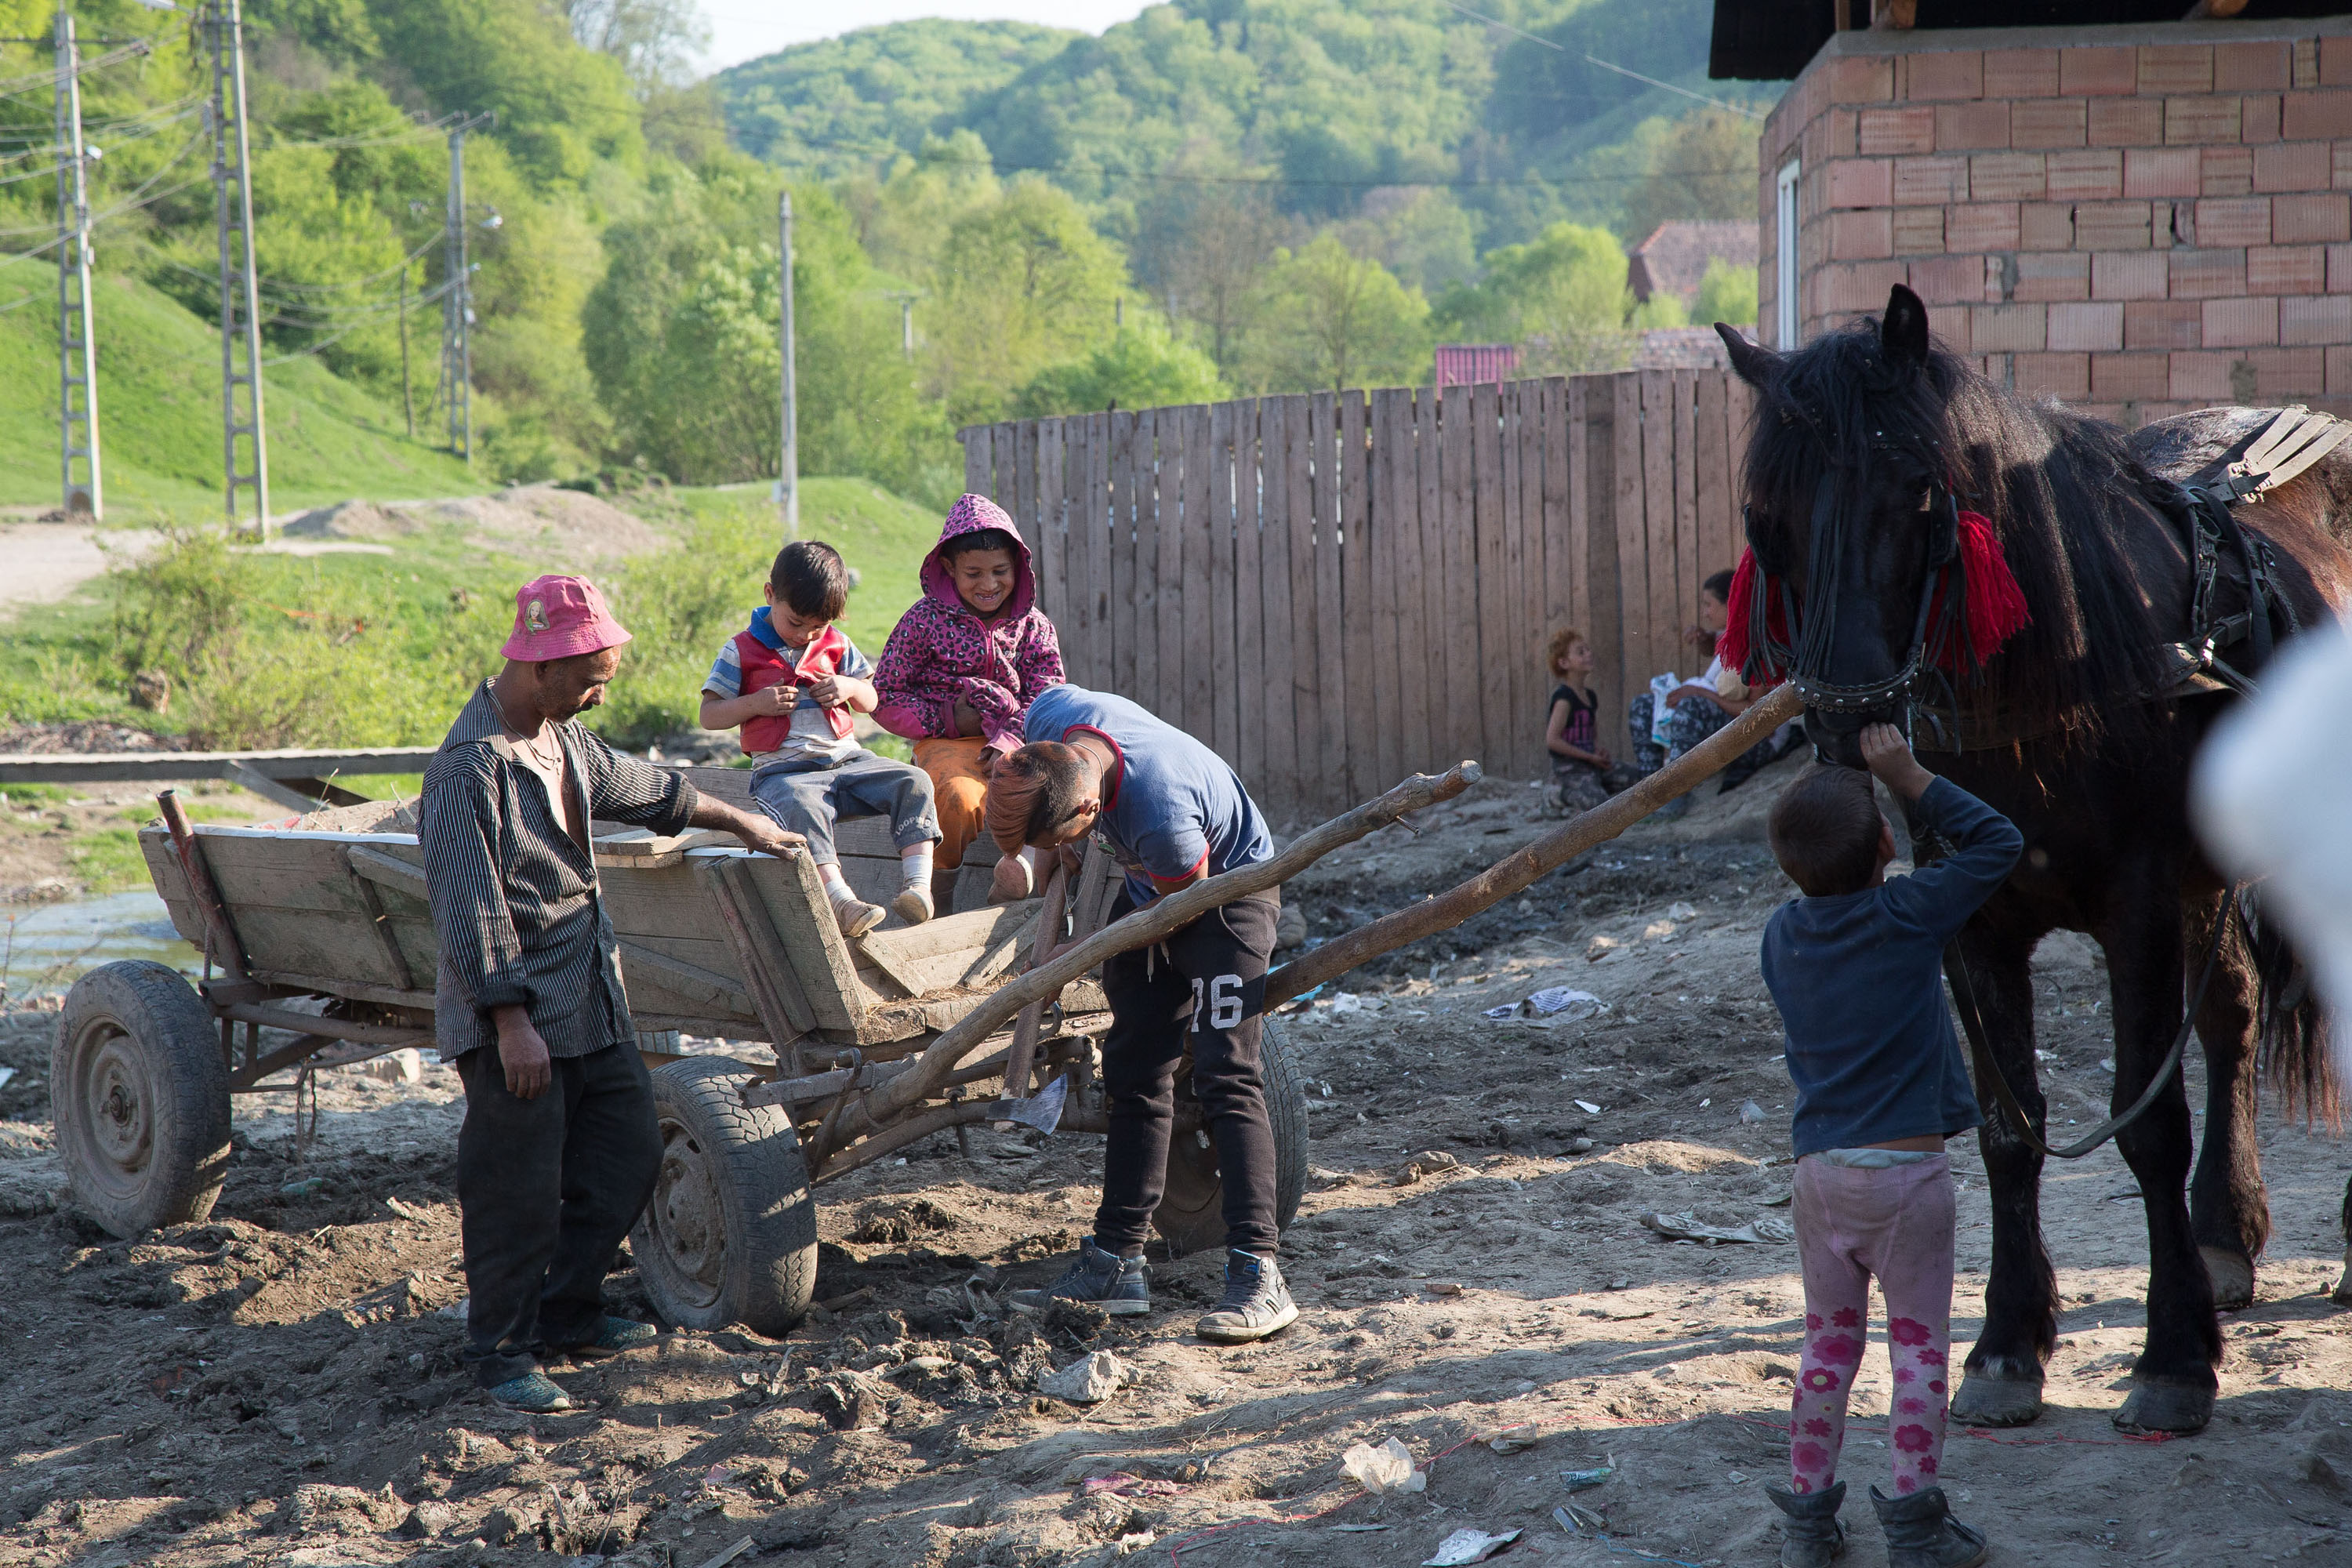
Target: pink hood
column 970, row 514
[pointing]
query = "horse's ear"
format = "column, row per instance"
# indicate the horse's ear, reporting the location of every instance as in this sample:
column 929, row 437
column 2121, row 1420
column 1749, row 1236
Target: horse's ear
column 1903, row 334
column 1752, row 361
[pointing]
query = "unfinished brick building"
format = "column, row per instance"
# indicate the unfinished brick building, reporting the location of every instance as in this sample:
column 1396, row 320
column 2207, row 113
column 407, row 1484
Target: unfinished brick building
column 2134, row 218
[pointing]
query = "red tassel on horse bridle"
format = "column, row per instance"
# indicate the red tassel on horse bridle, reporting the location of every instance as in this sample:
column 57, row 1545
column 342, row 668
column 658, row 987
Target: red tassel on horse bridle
column 1994, row 609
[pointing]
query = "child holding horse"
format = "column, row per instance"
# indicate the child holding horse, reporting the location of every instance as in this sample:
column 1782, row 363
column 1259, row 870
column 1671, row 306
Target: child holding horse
column 1855, row 968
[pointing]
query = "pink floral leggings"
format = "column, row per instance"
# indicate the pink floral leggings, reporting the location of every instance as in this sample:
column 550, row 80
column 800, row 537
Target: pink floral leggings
column 1893, row 1225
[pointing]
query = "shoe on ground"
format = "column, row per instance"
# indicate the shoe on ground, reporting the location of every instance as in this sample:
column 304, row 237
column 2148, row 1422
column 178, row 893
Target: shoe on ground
column 912, row 905
column 1256, row 1303
column 618, row 1334
column 1810, row 1535
column 534, row 1392
column 856, row 919
column 1922, row 1533
column 1011, row 881
column 1119, row 1286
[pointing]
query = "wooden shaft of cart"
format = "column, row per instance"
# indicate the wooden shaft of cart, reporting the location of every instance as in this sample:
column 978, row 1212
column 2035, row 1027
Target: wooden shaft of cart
column 892, row 1099
column 1521, row 868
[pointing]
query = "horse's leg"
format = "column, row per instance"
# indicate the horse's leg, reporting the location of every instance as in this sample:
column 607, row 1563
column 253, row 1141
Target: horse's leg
column 2343, row 1293
column 2173, row 1382
column 2003, row 1383
column 2228, row 1208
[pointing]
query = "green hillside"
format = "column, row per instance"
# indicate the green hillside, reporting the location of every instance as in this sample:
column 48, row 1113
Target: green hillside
column 160, row 420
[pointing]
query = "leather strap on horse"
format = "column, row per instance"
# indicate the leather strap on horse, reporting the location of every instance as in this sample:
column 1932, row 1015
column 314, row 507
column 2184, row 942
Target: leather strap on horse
column 1988, row 1073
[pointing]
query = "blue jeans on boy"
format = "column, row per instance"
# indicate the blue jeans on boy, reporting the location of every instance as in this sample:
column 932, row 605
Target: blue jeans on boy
column 807, row 799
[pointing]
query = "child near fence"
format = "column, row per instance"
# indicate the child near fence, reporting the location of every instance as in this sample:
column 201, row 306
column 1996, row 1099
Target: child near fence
column 790, row 680
column 1855, row 968
column 1587, row 775
column 959, row 674
column 1675, row 716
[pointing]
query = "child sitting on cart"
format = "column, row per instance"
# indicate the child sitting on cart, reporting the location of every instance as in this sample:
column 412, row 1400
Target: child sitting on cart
column 1855, row 967
column 959, row 672
column 791, row 681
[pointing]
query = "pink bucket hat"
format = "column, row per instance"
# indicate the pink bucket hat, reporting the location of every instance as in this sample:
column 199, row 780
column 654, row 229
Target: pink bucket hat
column 558, row 617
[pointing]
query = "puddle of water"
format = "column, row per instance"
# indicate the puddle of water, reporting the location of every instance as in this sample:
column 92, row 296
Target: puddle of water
column 45, row 947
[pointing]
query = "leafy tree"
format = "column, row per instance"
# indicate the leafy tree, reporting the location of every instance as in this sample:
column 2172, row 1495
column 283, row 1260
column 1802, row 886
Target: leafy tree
column 655, row 40
column 1205, row 240
column 1701, row 165
column 1727, row 293
column 903, row 219
column 1141, row 367
column 1561, row 296
column 1335, row 319
column 1022, row 282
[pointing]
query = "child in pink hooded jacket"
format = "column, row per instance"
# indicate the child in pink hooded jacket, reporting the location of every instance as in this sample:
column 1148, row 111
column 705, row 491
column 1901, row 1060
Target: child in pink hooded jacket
column 959, row 672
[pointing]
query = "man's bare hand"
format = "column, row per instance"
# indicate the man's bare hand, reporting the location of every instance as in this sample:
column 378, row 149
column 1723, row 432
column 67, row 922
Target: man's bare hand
column 1889, row 756
column 522, row 1054
column 762, row 837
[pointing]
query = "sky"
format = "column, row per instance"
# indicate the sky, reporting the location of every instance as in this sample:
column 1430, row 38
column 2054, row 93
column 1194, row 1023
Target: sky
column 745, row 29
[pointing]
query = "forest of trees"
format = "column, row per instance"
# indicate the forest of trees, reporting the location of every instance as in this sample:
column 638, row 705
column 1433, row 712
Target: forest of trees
column 1219, row 197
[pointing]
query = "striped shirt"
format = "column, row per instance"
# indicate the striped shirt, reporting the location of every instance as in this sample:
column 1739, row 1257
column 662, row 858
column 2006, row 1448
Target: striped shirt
column 515, row 898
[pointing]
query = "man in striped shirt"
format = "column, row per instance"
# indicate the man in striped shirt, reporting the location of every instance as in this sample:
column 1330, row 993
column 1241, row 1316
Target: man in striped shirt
column 559, row 1151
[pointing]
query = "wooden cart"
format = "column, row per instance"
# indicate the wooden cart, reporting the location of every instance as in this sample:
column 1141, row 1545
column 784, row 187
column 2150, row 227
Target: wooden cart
column 321, row 950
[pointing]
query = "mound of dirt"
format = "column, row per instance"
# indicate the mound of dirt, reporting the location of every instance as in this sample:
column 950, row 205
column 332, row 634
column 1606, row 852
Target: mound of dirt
column 83, row 735
column 537, row 521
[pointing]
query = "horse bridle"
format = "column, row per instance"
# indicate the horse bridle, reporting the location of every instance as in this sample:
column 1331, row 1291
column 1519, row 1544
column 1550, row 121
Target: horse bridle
column 1816, row 634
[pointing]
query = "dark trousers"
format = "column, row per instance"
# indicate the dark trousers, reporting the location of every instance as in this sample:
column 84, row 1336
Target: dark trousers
column 1204, row 987
column 547, row 1188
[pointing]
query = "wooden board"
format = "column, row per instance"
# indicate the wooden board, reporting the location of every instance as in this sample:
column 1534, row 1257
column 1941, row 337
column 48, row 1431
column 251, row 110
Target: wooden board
column 802, row 923
column 1690, row 568
column 1633, row 550
column 1711, row 460
column 1249, row 623
column 1198, row 719
column 1667, row 613
column 1124, row 617
column 1563, row 578
column 1305, row 641
column 978, row 444
column 1169, row 426
column 1097, row 522
column 1223, row 734
column 1044, row 529
column 1330, row 606
column 1145, row 605
column 1277, row 680
column 1393, row 758
column 1426, row 620
column 1604, row 613
column 1356, row 600
column 1458, row 634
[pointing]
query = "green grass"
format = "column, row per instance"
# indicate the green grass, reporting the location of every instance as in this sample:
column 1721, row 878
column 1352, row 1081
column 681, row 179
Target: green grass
column 108, row 860
column 160, row 418
column 355, row 649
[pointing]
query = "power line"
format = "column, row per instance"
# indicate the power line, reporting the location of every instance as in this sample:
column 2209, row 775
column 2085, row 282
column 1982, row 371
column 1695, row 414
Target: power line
column 1596, row 60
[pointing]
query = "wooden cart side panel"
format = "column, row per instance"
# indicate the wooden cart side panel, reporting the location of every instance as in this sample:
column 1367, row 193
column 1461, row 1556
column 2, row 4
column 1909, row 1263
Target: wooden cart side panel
column 803, row 919
column 294, row 903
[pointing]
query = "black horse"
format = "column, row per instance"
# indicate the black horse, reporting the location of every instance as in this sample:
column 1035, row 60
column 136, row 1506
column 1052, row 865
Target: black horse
column 2082, row 727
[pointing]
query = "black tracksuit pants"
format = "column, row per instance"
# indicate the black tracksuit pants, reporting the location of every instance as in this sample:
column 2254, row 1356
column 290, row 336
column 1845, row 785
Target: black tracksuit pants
column 1203, row 988
column 547, row 1189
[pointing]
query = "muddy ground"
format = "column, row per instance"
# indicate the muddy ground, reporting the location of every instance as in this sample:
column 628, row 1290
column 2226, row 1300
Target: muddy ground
column 280, row 1384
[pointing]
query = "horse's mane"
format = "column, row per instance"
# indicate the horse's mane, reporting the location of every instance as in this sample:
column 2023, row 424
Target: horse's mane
column 2064, row 494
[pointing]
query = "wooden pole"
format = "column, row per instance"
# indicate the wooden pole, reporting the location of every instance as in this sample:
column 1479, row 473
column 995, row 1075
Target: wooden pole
column 1023, row 1050
column 220, row 933
column 1555, row 848
column 1144, row 927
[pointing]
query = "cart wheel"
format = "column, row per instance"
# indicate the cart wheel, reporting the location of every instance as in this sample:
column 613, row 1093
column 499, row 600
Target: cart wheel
column 1191, row 1216
column 139, row 1096
column 730, row 1233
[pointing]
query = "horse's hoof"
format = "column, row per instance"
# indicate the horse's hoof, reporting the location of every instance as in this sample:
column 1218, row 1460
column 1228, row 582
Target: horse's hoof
column 2233, row 1276
column 2175, row 1408
column 1985, row 1400
column 2342, row 1294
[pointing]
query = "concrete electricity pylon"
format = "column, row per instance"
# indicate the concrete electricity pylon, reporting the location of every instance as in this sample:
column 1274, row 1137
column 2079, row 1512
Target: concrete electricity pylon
column 458, row 298
column 76, row 344
column 788, row 459
column 240, row 301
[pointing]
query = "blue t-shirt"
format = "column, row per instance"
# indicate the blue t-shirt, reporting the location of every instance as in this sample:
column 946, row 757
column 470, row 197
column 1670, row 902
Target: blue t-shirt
column 1859, row 982
column 1171, row 805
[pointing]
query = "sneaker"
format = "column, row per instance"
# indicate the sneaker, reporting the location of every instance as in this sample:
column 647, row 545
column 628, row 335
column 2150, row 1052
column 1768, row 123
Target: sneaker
column 534, row 1392
column 1257, row 1302
column 1011, row 881
column 856, row 919
column 1119, row 1286
column 912, row 905
column 618, row 1334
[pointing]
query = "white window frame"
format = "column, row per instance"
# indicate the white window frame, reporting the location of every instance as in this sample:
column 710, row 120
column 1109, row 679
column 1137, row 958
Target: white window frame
column 1785, row 314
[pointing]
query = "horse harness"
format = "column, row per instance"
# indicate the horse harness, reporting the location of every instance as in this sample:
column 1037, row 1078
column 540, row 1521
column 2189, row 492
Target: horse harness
column 2292, row 442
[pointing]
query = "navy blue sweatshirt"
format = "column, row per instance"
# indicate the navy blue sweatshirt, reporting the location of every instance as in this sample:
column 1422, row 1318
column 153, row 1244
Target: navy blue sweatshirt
column 1859, row 982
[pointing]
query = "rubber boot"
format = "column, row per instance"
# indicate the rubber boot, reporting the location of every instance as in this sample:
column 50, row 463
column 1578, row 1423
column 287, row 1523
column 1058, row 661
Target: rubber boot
column 1812, row 1536
column 1922, row 1533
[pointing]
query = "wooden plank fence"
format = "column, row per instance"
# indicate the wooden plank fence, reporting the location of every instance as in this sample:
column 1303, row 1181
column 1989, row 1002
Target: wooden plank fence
column 1334, row 590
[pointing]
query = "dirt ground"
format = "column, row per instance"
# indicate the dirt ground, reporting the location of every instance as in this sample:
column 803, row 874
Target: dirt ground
column 280, row 1384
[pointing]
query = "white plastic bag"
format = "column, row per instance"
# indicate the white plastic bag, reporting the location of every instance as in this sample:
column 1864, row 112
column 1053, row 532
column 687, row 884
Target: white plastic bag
column 1384, row 1471
column 1660, row 685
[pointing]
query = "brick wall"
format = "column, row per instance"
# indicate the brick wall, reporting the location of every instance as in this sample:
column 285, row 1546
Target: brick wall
column 2135, row 219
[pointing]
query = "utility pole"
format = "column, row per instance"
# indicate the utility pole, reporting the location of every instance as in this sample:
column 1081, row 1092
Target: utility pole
column 240, row 307
column 76, row 344
column 457, row 307
column 788, row 470
column 407, row 391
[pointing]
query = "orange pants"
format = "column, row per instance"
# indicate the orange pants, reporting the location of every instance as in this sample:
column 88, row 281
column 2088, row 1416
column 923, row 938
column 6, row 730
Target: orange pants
column 959, row 792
